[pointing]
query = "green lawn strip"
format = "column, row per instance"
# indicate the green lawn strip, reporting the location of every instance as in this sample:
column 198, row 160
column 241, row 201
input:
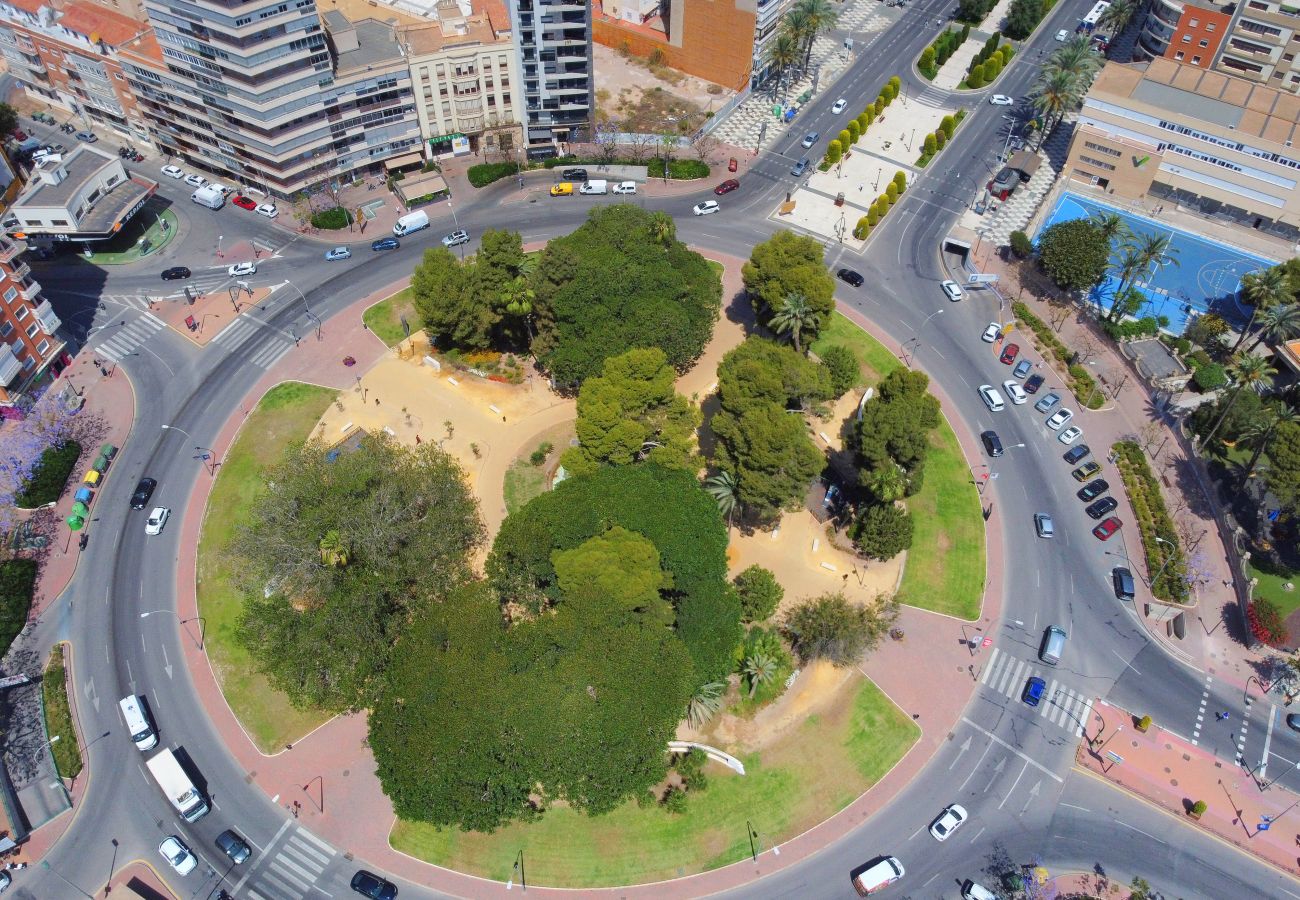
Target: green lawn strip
column 877, row 362
column 288, row 413
column 1272, row 588
column 58, row 716
column 385, row 317
column 524, row 481
column 803, row 778
column 125, row 247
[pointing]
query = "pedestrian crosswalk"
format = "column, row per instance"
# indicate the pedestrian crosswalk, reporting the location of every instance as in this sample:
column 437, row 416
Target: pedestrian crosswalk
column 290, row 867
column 243, row 330
column 935, row 97
column 123, row 340
column 1006, row 675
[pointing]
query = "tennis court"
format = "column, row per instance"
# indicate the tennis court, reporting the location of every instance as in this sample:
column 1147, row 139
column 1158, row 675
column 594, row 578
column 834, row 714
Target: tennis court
column 1206, row 275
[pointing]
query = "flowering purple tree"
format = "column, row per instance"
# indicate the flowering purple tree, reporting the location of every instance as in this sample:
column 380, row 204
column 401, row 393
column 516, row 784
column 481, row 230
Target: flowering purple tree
column 22, row 441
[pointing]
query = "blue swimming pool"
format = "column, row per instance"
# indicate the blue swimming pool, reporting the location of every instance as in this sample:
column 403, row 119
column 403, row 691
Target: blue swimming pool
column 1206, row 277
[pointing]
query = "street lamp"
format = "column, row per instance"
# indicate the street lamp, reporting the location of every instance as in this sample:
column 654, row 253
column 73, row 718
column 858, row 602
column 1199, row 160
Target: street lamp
column 202, row 623
column 46, row 866
column 1296, row 768
column 207, row 454
column 456, row 220
column 917, row 338
column 307, row 307
column 1167, row 561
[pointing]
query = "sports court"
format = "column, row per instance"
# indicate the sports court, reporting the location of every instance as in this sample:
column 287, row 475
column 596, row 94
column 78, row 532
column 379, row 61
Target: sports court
column 1206, row 275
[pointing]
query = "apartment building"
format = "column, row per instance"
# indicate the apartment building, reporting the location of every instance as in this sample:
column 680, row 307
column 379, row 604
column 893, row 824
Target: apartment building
column 1189, row 33
column 1211, row 141
column 66, row 56
column 553, row 41
column 721, row 41
column 1255, row 39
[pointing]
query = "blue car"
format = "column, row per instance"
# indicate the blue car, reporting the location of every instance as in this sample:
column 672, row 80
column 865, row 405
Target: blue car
column 1034, row 690
column 338, row 253
column 388, row 243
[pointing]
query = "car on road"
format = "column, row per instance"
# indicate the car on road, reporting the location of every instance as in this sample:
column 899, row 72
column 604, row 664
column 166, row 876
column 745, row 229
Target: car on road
column 1102, row 507
column 143, row 491
column 991, row 333
column 992, row 443
column 992, row 399
column 245, row 203
column 1085, row 471
column 1293, row 722
column 952, row 290
column 173, row 171
column 706, row 208
column 233, row 846
column 1070, row 435
column 810, row 138
column 972, row 890
column 1022, row 368
column 848, row 276
column 1093, row 489
column 800, row 167
column 268, row 210
column 386, row 243
column 456, row 238
column 338, row 253
column 240, row 269
column 1047, row 402
column 157, row 520
column 1074, row 454
column 1009, row 353
column 1034, row 690
column 175, row 273
column 1106, row 530
column 368, row 884
column 1002, row 100
column 195, row 180
column 1062, row 34
column 574, row 174
column 1058, row 419
column 88, row 136
column 839, row 106
column 1043, row 525
column 178, row 855
column 726, row 187
column 1122, row 580
column 948, row 822
column 1015, row 392
column 1033, row 383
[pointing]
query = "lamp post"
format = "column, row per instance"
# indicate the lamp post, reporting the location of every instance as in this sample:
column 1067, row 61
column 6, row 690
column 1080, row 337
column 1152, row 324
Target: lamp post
column 916, row 339
column 1167, row 561
column 518, row 869
column 208, row 455
column 202, row 623
column 307, row 307
column 456, row 220
column 1295, row 768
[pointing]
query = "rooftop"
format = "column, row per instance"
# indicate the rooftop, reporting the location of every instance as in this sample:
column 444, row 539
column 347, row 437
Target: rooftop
column 82, row 164
column 375, row 43
column 98, row 23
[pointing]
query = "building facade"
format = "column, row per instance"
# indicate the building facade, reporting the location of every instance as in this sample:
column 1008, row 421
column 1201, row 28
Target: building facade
column 1254, row 39
column 1219, row 144
column 553, row 40
column 85, row 196
column 1189, row 33
column 717, row 40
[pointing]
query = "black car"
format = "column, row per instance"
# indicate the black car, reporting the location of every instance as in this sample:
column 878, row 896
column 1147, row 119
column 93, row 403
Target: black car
column 992, row 443
column 368, row 884
column 1033, row 383
column 1122, row 580
column 849, row 277
column 233, row 846
column 1293, row 722
column 1093, row 489
column 1102, row 507
column 386, row 243
column 175, row 273
column 575, row 174
column 143, row 491
column 1074, row 454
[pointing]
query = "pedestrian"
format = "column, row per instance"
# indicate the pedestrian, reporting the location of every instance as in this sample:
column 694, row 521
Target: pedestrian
column 376, row 401
column 364, row 326
column 417, row 439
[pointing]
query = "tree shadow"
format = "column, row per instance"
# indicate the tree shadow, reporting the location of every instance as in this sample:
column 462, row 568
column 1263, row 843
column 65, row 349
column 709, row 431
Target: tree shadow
column 740, row 311
column 1188, row 484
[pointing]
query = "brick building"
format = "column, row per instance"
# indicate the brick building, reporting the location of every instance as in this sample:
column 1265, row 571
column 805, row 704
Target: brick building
column 717, row 40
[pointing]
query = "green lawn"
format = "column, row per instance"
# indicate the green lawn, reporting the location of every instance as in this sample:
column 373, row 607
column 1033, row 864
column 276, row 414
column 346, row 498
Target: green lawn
column 945, row 567
column 1271, row 587
column 803, row 778
column 524, row 481
column 286, row 414
column 385, row 317
column 58, row 716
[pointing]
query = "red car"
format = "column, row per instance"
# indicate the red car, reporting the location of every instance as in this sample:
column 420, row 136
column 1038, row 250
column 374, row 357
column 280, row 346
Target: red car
column 1106, row 529
column 244, row 203
column 733, row 165
column 20, row 135
column 726, row 187
column 1009, row 353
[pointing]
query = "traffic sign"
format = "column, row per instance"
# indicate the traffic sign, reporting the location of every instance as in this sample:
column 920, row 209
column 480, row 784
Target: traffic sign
column 987, row 642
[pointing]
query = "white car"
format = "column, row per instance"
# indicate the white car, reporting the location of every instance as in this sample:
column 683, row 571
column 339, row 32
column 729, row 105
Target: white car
column 1015, row 392
column 268, row 210
column 176, row 853
column 1002, row 100
column 240, row 269
column 157, row 520
column 810, row 138
column 952, row 290
column 456, row 238
column 839, row 106
column 992, row 399
column 991, row 333
column 1062, row 35
column 173, row 172
column 1070, row 435
column 1058, row 419
column 195, row 180
column 625, row 187
column 708, row 207
column 948, row 822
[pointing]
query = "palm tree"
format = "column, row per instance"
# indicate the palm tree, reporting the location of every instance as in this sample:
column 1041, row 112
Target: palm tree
column 1127, row 266
column 1263, row 290
column 725, row 491
column 782, row 52
column 1111, row 226
column 1117, row 16
column 705, row 704
column 333, row 549
column 1075, row 56
column 1249, row 371
column 887, row 483
column 1277, row 323
column 1054, row 94
column 663, row 230
column 1261, row 434
column 793, row 317
column 818, row 17
column 518, row 298
column 761, row 669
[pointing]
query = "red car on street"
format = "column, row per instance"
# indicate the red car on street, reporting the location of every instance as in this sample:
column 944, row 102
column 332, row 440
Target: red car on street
column 1105, row 530
column 244, row 203
column 1009, row 353
column 726, row 187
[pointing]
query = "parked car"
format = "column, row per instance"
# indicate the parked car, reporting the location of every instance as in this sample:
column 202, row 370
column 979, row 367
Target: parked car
column 1102, row 507
column 1106, row 530
column 386, row 243
column 178, row 855
column 195, row 180
column 1015, row 392
column 143, row 491
column 707, row 208
column 1034, row 690
column 563, row 189
column 157, row 520
column 88, row 136
column 1093, row 489
column 800, row 167
column 1022, row 368
column 1047, row 402
column 244, row 203
column 574, row 174
column 948, row 822
column 1033, row 383
column 726, row 187
column 1058, row 419
column 338, row 253
column 1001, row 100
column 234, row 847
column 368, row 884
column 173, row 172
column 1085, row 471
column 848, row 276
column 1044, row 526
column 1293, row 722
column 1070, row 435
column 175, row 273
column 268, row 210
column 951, row 290
column 839, row 106
column 991, row 333
column 810, row 138
column 1009, row 353
column 456, row 238
column 238, row 270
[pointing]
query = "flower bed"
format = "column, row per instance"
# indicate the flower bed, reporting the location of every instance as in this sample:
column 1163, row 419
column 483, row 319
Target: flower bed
column 1082, row 384
column 1164, row 556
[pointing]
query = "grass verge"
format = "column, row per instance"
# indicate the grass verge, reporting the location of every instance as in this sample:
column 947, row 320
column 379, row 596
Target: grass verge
column 286, row 414
column 58, row 716
column 1273, row 589
column 524, row 481
column 385, row 317
column 810, row 773
column 945, row 567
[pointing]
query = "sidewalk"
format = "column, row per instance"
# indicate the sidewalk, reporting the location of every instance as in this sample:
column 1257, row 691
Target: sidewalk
column 1170, row 773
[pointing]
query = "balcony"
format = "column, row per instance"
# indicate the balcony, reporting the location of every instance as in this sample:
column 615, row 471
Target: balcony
column 49, row 321
column 10, row 366
column 10, row 249
column 22, row 270
column 30, row 289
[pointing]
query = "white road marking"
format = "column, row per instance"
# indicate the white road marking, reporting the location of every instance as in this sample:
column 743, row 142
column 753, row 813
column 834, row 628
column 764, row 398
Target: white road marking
column 991, row 736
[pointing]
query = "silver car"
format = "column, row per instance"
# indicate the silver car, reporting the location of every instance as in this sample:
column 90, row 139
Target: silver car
column 1047, row 402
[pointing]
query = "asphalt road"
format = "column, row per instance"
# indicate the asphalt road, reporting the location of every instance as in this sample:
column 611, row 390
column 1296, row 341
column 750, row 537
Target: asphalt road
column 1009, row 765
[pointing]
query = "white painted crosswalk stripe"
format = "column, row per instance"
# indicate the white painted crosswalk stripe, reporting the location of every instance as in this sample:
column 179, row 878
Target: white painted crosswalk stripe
column 1061, row 706
column 270, row 355
column 994, row 659
column 291, row 869
column 130, row 336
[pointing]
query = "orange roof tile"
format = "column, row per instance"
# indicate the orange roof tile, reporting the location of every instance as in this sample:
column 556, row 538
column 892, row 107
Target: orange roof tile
column 110, row 27
column 31, row 6
column 496, row 11
column 145, row 48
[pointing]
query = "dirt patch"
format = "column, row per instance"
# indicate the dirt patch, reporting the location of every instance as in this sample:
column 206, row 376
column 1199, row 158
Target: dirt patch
column 819, row 688
column 643, row 97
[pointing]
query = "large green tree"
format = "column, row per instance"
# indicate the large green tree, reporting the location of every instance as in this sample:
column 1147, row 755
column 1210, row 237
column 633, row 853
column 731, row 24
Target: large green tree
column 1074, row 254
column 786, row 265
column 833, row 628
column 1283, row 475
column 894, row 431
column 473, row 304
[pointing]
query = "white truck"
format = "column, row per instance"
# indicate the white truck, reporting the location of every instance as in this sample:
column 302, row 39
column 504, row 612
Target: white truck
column 180, row 790
column 210, row 196
column 594, row 186
column 411, row 222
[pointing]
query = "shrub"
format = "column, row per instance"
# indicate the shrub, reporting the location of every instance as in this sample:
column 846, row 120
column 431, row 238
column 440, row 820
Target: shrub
column 1021, row 245
column 485, row 173
column 855, row 131
column 965, row 33
column 17, row 584
column 759, row 592
column 895, row 85
column 877, row 108
column 1199, row 808
column 331, row 219
column 1081, row 382
column 863, row 228
column 940, row 139
column 948, row 125
column 900, row 181
column 891, row 193
column 1144, row 723
column 930, row 147
column 833, row 153
column 830, row 627
column 872, row 217
column 842, row 364
column 1165, row 557
column 845, row 138
column 976, row 79
column 538, row 456
column 883, row 531
column 675, row 801
column 1209, row 377
column 926, row 63
column 680, row 169
column 864, row 120
column 881, row 206
column 1266, row 622
column 49, row 476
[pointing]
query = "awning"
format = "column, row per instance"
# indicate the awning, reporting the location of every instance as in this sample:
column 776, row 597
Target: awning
column 398, row 162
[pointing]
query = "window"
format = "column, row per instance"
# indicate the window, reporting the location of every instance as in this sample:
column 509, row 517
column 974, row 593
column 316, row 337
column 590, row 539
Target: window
column 21, row 313
column 1193, row 23
column 1187, row 39
column 1178, row 55
column 29, row 362
column 59, row 222
column 1196, row 60
column 10, row 294
column 1204, row 44
column 1109, row 151
column 43, row 348
column 6, row 329
column 31, row 330
column 1209, row 26
column 1097, row 162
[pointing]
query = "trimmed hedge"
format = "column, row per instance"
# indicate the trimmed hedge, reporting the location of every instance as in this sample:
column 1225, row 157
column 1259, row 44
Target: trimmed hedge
column 485, row 173
column 1082, row 385
column 50, row 476
column 17, row 585
column 935, row 142
column 331, row 219
column 945, row 45
column 1165, row 557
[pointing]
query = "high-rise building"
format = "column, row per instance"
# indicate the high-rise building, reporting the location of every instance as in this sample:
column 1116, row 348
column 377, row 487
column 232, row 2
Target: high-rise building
column 1258, row 40
column 553, row 38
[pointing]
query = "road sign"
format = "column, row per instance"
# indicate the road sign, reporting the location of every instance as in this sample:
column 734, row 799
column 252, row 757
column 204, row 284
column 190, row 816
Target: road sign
column 982, row 278
column 987, row 642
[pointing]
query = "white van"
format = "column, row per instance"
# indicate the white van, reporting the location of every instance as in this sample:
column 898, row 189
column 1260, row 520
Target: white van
column 595, row 186
column 209, row 196
column 878, row 876
column 411, row 222
column 625, row 187
column 138, row 726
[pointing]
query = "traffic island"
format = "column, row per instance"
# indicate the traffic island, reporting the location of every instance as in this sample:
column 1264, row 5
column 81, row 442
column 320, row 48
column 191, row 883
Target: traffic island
column 150, row 231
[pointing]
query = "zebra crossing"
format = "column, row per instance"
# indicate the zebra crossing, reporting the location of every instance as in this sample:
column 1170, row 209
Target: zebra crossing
column 242, row 330
column 1006, row 675
column 934, row 97
column 290, row 867
column 124, row 340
